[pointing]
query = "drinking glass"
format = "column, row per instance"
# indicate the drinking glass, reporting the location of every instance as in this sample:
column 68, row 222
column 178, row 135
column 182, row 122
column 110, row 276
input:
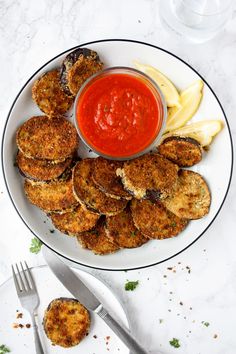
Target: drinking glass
column 199, row 20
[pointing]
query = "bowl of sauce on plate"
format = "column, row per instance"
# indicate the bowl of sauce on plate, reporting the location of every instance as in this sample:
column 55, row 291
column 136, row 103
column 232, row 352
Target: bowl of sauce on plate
column 120, row 113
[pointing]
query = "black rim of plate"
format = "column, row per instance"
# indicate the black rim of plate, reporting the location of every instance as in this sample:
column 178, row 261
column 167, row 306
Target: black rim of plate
column 131, row 41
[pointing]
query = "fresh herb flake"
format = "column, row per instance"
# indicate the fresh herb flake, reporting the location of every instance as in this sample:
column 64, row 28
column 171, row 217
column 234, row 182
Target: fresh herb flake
column 207, row 324
column 4, row 349
column 174, row 343
column 131, row 285
column 133, row 233
column 35, row 246
column 52, row 231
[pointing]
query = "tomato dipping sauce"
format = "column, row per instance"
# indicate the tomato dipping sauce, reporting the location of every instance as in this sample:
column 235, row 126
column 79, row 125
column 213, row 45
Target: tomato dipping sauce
column 118, row 114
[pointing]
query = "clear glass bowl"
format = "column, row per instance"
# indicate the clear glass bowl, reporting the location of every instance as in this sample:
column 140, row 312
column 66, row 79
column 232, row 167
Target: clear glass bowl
column 162, row 107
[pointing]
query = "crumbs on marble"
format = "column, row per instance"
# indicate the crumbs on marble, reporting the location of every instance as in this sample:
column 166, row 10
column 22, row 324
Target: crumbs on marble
column 107, row 338
column 188, row 268
column 16, row 325
column 19, row 315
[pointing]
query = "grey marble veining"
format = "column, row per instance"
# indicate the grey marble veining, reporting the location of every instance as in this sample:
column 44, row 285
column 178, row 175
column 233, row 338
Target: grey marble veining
column 31, row 32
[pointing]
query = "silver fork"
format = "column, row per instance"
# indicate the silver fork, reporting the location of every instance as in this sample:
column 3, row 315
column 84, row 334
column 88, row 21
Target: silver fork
column 29, row 299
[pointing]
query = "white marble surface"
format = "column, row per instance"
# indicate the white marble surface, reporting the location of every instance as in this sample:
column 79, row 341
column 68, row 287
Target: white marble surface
column 31, row 32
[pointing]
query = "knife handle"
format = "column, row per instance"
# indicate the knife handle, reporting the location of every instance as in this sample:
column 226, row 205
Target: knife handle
column 120, row 331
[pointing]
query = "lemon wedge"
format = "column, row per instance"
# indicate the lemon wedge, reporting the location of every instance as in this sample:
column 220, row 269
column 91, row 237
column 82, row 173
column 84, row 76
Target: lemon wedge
column 190, row 100
column 166, row 86
column 202, row 131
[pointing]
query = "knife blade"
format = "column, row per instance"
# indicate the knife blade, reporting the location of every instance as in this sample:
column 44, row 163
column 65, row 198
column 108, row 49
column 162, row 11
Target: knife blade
column 81, row 292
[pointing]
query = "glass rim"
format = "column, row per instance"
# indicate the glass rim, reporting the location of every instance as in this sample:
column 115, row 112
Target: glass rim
column 162, row 102
column 224, row 9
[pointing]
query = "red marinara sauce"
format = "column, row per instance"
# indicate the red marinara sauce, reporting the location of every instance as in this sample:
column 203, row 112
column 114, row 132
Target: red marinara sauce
column 118, row 115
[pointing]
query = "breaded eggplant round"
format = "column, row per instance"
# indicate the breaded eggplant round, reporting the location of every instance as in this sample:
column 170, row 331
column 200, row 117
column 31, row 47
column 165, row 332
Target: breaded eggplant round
column 104, row 176
column 192, row 198
column 54, row 196
column 49, row 95
column 97, row 240
column 44, row 138
column 75, row 221
column 121, row 230
column 66, row 322
column 185, row 152
column 150, row 176
column 89, row 195
column 77, row 67
column 155, row 221
column 41, row 170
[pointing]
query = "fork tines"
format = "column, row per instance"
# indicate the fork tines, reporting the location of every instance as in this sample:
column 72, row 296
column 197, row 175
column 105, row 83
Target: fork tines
column 22, row 278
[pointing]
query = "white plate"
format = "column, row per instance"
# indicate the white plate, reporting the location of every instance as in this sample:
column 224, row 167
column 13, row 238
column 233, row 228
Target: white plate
column 20, row 340
column 216, row 167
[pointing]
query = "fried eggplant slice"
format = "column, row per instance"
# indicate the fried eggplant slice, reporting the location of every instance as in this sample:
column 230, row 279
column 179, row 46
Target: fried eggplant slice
column 121, row 230
column 41, row 170
column 66, row 322
column 75, row 221
column 150, row 176
column 191, row 199
column 89, row 195
column 97, row 240
column 155, row 221
column 43, row 138
column 54, row 196
column 185, row 152
column 49, row 95
column 77, row 67
column 104, row 176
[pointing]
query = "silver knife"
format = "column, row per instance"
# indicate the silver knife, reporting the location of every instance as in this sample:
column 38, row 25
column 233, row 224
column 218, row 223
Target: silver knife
column 79, row 290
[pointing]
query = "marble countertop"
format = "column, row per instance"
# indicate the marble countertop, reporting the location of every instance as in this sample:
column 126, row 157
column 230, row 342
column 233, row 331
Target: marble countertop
column 168, row 302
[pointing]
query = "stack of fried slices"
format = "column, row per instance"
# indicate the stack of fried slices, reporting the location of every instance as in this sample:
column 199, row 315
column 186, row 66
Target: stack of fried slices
column 107, row 205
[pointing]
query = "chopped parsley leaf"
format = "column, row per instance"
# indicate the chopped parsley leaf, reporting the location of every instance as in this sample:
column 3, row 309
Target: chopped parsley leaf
column 133, row 233
column 131, row 285
column 52, row 231
column 4, row 349
column 35, row 246
column 175, row 343
column 206, row 323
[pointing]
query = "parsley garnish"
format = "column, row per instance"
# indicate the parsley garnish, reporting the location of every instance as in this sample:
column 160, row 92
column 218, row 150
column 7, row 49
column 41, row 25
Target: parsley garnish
column 35, row 246
column 4, row 349
column 175, row 343
column 133, row 233
column 52, row 231
column 206, row 323
column 131, row 285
